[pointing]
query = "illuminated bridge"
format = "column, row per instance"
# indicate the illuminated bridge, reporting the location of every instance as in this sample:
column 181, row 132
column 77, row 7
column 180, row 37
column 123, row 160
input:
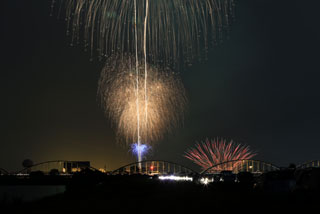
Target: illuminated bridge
column 158, row 167
column 154, row 167
column 59, row 166
column 314, row 164
column 236, row 166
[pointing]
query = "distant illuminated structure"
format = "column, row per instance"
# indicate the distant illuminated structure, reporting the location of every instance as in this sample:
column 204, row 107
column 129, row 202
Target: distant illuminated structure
column 75, row 166
column 237, row 166
column 60, row 166
column 310, row 164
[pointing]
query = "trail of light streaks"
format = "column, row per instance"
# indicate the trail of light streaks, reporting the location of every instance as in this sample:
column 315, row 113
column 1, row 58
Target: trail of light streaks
column 177, row 30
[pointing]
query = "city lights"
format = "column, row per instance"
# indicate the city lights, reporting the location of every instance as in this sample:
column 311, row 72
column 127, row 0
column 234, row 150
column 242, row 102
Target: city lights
column 176, row 178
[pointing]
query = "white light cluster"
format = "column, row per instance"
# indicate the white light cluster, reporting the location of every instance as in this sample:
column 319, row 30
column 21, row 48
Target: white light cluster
column 205, row 181
column 176, row 178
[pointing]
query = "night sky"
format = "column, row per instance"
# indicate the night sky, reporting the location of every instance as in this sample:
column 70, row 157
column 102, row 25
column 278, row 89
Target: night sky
column 259, row 87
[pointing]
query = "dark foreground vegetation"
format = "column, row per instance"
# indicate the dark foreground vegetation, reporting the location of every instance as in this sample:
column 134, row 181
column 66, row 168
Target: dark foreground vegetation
column 95, row 192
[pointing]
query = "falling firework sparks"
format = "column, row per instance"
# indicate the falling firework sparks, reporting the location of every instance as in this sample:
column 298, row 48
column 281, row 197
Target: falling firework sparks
column 171, row 30
column 212, row 153
column 162, row 32
column 166, row 100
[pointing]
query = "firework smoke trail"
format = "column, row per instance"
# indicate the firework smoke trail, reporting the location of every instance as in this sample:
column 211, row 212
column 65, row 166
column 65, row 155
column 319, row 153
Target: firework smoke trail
column 210, row 153
column 137, row 74
column 137, row 81
column 166, row 100
column 145, row 73
column 145, row 63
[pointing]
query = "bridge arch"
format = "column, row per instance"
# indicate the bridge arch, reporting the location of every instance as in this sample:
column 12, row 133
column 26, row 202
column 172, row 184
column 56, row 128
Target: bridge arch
column 3, row 172
column 154, row 167
column 309, row 164
column 63, row 167
column 241, row 165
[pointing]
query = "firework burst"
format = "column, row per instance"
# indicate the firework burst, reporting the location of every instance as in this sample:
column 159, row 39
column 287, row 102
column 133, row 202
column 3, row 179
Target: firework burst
column 125, row 104
column 212, row 153
column 140, row 150
column 172, row 30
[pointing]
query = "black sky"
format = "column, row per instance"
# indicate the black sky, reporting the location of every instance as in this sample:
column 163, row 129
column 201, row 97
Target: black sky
column 259, row 87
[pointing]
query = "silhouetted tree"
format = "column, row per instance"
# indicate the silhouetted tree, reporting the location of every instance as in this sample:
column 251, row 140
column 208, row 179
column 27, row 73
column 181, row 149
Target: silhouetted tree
column 27, row 163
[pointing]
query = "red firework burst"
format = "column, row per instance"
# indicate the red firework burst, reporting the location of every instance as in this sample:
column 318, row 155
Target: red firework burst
column 212, row 153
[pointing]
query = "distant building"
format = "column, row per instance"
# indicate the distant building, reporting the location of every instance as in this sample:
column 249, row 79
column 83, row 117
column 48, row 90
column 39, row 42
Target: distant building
column 57, row 167
column 74, row 166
